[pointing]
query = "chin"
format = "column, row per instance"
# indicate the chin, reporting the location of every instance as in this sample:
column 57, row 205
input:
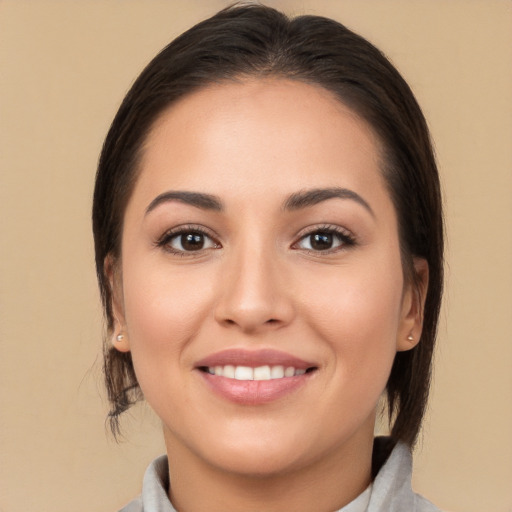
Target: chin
column 269, row 449
column 247, row 448
column 257, row 462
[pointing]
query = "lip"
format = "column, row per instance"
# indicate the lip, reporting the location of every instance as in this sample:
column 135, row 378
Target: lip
column 254, row 358
column 254, row 392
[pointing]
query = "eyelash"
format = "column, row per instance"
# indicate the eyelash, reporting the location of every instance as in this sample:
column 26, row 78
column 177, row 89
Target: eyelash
column 345, row 238
column 165, row 240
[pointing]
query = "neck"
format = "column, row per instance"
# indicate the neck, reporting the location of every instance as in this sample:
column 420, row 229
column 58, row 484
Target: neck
column 326, row 484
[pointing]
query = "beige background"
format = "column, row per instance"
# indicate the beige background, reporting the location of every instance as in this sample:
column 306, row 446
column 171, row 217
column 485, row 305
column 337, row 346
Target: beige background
column 64, row 69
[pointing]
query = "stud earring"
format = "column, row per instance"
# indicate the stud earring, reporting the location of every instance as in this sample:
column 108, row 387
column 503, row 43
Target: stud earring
column 120, row 337
column 410, row 337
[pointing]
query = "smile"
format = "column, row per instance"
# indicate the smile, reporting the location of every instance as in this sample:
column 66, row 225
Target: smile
column 265, row 372
column 254, row 377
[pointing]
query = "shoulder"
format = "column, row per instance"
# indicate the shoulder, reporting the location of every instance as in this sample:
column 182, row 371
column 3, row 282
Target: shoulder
column 154, row 490
column 133, row 506
column 423, row 505
column 392, row 490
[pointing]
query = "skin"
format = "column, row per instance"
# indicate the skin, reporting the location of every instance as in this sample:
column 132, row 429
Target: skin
column 257, row 284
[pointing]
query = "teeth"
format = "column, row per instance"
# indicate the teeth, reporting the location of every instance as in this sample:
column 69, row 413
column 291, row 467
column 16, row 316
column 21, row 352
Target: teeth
column 276, row 372
column 289, row 372
column 244, row 373
column 260, row 373
column 228, row 371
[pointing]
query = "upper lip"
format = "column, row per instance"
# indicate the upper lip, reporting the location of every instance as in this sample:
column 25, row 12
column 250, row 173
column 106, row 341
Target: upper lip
column 254, row 358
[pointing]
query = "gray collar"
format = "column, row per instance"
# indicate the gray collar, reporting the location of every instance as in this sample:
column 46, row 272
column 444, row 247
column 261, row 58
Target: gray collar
column 390, row 492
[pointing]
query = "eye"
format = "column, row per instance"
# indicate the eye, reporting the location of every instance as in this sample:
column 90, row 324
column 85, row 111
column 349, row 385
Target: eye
column 190, row 242
column 186, row 240
column 325, row 240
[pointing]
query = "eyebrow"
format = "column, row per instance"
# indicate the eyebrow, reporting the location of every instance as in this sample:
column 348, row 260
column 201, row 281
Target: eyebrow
column 297, row 201
column 197, row 199
column 307, row 198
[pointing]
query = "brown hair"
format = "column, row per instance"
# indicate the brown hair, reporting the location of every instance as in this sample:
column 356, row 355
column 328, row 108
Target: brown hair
column 252, row 41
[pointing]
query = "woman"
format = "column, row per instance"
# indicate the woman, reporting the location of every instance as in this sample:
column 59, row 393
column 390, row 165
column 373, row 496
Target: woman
column 269, row 241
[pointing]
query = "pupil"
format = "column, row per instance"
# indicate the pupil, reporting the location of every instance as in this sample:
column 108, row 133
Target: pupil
column 321, row 241
column 192, row 241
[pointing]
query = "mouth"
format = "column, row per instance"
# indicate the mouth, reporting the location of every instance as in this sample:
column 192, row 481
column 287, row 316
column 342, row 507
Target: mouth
column 265, row 372
column 254, row 377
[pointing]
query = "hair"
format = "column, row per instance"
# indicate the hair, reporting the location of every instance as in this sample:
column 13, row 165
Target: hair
column 254, row 41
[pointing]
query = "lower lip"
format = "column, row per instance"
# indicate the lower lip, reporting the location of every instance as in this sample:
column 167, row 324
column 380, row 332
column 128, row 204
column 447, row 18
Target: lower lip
column 254, row 392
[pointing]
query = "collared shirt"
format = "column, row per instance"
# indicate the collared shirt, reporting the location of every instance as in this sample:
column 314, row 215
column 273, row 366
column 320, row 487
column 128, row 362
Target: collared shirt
column 391, row 490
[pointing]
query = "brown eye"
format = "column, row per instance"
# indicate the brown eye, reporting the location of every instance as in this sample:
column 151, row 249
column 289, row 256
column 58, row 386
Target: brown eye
column 325, row 240
column 190, row 241
column 321, row 241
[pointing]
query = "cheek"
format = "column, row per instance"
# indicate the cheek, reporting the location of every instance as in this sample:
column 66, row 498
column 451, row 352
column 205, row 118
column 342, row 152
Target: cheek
column 357, row 314
column 163, row 311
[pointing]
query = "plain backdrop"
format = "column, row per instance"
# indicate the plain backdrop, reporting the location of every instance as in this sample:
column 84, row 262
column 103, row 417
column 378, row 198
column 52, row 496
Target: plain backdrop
column 64, row 68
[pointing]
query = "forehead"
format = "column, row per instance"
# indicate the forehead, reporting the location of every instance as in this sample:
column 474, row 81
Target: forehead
column 259, row 135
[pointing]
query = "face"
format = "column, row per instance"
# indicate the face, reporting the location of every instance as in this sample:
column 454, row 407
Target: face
column 261, row 291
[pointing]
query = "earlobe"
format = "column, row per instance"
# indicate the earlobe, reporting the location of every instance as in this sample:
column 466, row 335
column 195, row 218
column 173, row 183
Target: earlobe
column 413, row 304
column 119, row 336
column 120, row 342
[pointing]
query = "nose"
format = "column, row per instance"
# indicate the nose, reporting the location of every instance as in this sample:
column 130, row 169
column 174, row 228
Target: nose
column 254, row 293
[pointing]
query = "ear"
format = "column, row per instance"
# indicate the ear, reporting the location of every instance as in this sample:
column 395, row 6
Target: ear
column 120, row 339
column 413, row 303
